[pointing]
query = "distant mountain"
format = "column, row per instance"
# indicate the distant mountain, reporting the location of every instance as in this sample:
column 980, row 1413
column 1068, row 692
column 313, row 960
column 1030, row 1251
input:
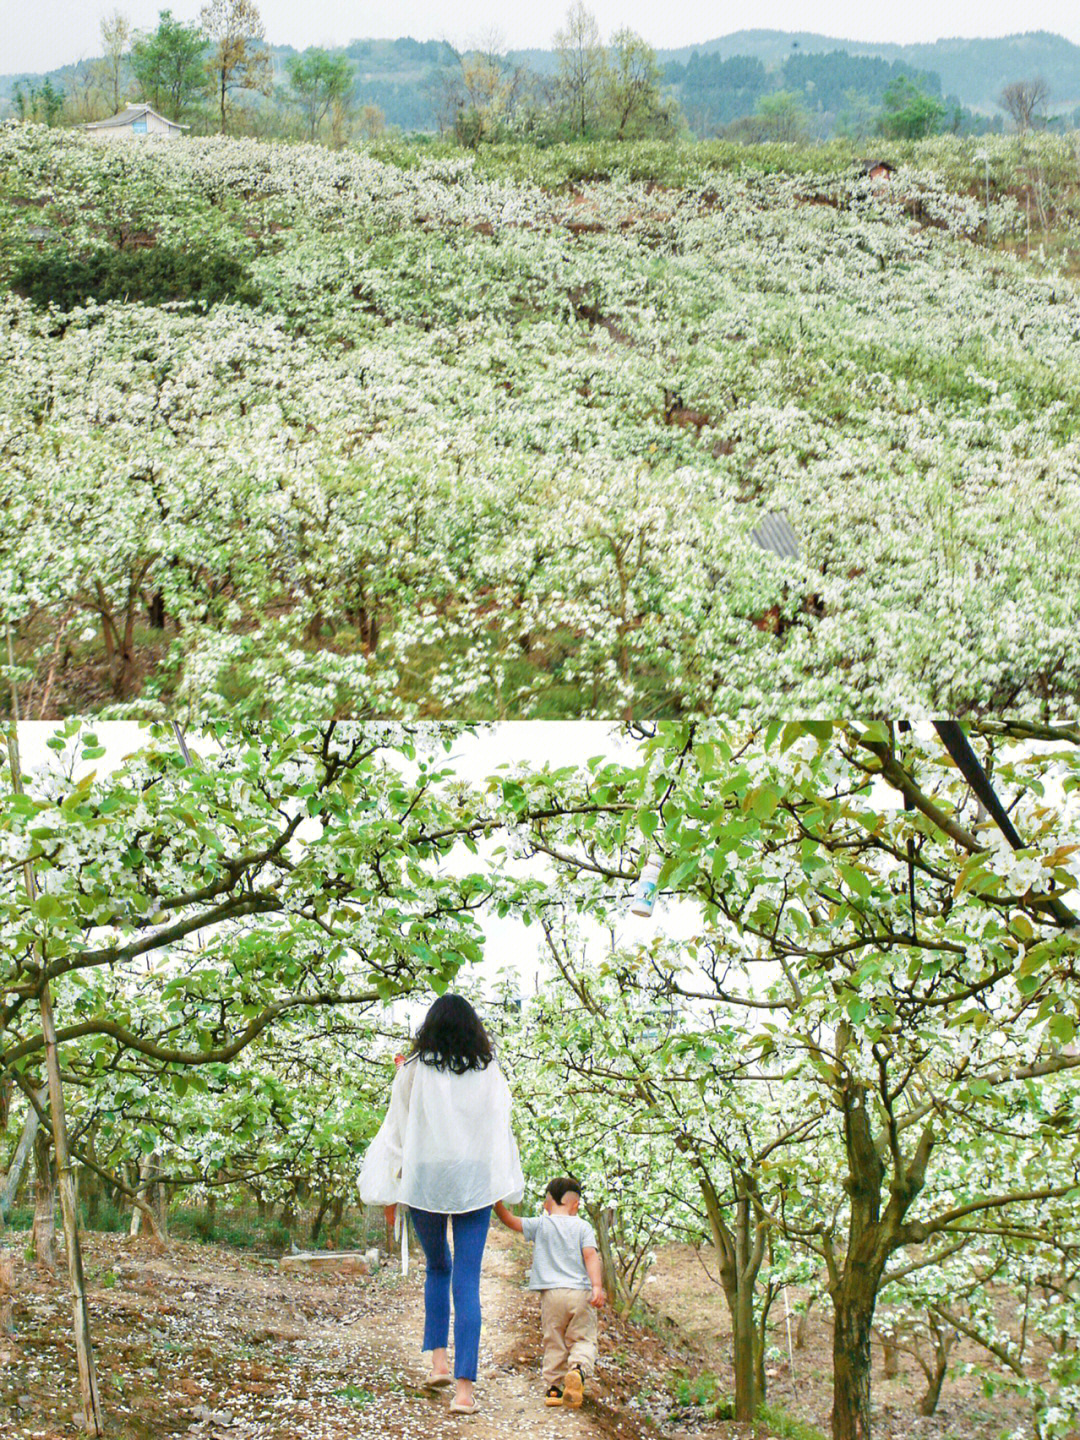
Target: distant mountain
column 973, row 70
column 401, row 76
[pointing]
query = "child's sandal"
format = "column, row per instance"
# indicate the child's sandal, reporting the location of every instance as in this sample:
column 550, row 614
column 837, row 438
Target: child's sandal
column 553, row 1396
column 573, row 1388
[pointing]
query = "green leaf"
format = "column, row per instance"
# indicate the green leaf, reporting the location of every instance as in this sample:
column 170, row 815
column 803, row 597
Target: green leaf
column 683, row 872
column 1062, row 1028
column 876, row 732
column 968, row 872
column 47, row 907
column 857, row 881
column 1034, row 960
column 793, row 731
column 763, row 802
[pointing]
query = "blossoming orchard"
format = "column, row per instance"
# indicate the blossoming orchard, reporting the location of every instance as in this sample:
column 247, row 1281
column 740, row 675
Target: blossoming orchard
column 479, row 438
column 832, row 1073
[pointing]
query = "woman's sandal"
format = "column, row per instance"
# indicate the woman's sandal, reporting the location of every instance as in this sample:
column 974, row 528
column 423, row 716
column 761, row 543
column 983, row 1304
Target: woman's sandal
column 438, row 1380
column 457, row 1408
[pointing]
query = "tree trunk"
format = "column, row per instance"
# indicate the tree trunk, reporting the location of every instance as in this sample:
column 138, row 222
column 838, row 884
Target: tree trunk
column 336, row 1215
column 160, row 1206
column 891, row 1356
column 740, row 1258
column 153, row 1208
column 7, row 1292
column 93, row 1420
column 25, row 1146
column 44, row 1231
column 854, row 1290
column 93, row 1188
column 944, row 1339
column 602, row 1224
column 316, row 1227
column 854, row 1306
column 929, row 1402
column 747, row 1397
column 759, row 1370
column 802, row 1329
column 742, row 1316
column 141, row 1189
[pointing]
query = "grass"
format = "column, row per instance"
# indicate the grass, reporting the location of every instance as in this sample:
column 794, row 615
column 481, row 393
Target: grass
column 240, row 1228
column 355, row 1395
column 700, row 1390
column 785, row 1427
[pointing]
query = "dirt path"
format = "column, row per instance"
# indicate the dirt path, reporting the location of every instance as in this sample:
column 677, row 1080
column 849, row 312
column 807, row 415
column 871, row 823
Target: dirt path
column 213, row 1344
column 509, row 1392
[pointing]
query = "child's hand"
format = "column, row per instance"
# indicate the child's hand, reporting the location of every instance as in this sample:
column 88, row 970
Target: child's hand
column 599, row 1299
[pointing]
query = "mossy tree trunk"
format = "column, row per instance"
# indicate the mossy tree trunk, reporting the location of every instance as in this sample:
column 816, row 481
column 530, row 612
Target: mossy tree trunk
column 43, row 1234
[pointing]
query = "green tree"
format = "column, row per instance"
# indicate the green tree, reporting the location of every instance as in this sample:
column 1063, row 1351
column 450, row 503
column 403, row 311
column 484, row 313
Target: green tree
column 318, row 82
column 676, row 1078
column 783, row 116
column 923, row 967
column 582, row 69
column 238, row 60
column 40, row 103
column 169, row 65
column 855, row 121
column 632, row 94
column 909, row 113
column 115, row 34
column 207, row 937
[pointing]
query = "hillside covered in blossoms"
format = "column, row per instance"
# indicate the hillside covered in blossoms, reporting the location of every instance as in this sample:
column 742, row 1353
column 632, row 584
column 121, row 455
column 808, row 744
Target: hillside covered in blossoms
column 282, row 426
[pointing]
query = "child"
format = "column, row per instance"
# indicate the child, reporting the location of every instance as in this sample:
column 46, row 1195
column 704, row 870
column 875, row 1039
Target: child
column 566, row 1270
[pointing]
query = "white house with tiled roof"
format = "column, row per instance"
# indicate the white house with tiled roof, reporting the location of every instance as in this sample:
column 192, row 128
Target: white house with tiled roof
column 135, row 119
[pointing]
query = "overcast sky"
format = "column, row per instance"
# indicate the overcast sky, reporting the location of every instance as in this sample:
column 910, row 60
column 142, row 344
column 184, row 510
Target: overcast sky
column 50, row 33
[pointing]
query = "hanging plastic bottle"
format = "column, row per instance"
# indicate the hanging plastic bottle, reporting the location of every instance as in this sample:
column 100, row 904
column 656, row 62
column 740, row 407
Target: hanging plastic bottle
column 644, row 896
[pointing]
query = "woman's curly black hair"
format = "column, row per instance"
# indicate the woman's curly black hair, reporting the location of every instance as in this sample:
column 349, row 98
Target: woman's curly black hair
column 453, row 1037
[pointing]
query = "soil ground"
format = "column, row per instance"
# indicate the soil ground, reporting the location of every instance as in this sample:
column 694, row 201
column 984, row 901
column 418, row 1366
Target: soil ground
column 682, row 1288
column 211, row 1343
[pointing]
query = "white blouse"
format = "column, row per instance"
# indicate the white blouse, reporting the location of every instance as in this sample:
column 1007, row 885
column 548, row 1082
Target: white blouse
column 446, row 1144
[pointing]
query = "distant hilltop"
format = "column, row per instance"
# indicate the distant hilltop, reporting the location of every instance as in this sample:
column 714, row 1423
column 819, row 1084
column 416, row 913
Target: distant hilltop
column 403, row 78
column 974, row 70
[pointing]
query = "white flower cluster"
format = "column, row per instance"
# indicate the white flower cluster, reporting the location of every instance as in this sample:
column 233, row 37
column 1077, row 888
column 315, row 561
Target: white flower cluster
column 505, row 448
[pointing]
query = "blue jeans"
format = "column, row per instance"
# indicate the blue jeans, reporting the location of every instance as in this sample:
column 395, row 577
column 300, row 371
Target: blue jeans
column 461, row 1273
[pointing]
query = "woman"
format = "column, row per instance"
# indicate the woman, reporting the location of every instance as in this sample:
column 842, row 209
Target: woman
column 446, row 1151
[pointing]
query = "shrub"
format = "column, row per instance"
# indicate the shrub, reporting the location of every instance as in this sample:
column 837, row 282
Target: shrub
column 152, row 275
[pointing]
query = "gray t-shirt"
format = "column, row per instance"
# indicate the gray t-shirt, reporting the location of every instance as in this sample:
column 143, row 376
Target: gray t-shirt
column 558, row 1241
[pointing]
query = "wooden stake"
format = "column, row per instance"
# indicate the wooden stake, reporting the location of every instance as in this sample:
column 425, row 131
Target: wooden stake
column 93, row 1420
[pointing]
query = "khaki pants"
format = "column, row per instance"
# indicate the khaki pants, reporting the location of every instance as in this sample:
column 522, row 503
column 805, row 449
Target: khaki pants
column 569, row 1323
